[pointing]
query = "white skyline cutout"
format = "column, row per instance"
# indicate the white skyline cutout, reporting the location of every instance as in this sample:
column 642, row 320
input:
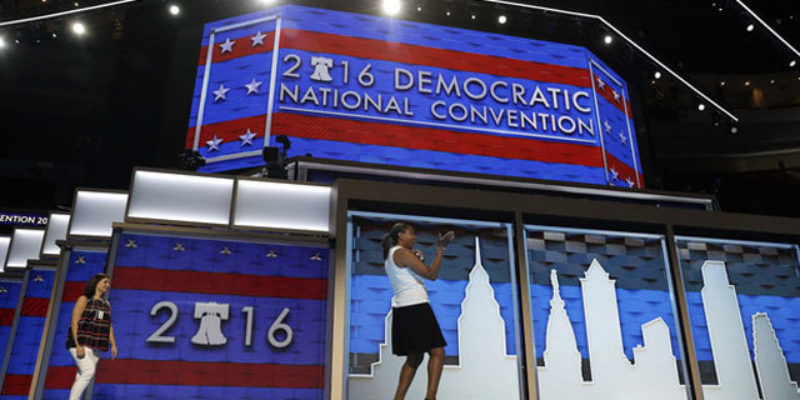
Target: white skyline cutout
column 485, row 371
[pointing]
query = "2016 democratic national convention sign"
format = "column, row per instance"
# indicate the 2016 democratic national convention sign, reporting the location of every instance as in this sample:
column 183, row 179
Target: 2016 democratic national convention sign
column 376, row 90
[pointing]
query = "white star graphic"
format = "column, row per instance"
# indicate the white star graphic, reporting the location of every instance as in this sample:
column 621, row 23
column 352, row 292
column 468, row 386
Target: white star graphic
column 316, row 257
column 629, row 181
column 607, row 125
column 131, row 244
column 178, row 247
column 623, row 138
column 3, row 289
column 220, row 93
column 601, row 83
column 247, row 138
column 614, row 174
column 38, row 278
column 226, row 251
column 258, row 39
column 213, row 144
column 80, row 260
column 227, row 47
column 252, row 87
column 271, row 254
column 616, row 95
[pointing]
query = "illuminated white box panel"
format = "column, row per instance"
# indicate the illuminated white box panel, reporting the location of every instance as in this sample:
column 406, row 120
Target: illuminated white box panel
column 262, row 204
column 57, row 227
column 25, row 245
column 4, row 242
column 180, row 197
column 94, row 212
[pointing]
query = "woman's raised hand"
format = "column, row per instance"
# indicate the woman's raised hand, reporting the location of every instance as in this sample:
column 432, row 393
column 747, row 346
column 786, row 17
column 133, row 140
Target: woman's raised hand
column 445, row 238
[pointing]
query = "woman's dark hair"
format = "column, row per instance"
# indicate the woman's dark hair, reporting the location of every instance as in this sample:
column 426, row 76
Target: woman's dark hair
column 91, row 286
column 390, row 239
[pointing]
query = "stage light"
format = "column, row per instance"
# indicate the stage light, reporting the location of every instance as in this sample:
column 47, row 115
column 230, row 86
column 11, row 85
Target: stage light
column 701, row 106
column 266, row 2
column 502, row 19
column 392, row 7
column 447, row 13
column 657, row 74
column 747, row 83
column 734, row 129
column 722, row 83
column 772, row 81
column 750, row 27
column 2, row 43
column 608, row 39
column 473, row 16
column 54, row 35
column 419, row 9
column 174, row 9
column 792, row 63
column 78, row 28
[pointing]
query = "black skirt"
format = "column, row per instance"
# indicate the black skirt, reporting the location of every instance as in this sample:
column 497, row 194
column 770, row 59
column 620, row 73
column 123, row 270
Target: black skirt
column 414, row 329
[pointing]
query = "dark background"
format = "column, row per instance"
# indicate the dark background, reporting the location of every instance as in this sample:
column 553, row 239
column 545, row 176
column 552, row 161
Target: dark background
column 82, row 111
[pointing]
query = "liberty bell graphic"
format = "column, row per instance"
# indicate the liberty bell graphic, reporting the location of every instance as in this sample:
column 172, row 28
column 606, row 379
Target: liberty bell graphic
column 211, row 316
column 322, row 66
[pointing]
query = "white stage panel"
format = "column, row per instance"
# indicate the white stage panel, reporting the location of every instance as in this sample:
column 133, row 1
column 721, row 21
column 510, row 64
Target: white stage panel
column 161, row 196
column 57, row 226
column 95, row 211
column 25, row 245
column 279, row 205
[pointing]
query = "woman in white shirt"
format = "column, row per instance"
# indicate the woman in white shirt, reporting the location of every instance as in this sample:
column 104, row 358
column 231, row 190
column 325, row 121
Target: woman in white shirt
column 415, row 330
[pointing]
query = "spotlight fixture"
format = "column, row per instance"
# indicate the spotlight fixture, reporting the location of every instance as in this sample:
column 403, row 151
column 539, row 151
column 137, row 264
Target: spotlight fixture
column 750, row 27
column 722, row 83
column 772, row 81
column 473, row 16
column 448, row 13
column 502, row 19
column 792, row 63
column 174, row 9
column 54, row 35
column 2, row 43
column 392, row 7
column 78, row 28
column 734, row 129
column 419, row 9
column 701, row 106
column 608, row 39
column 747, row 83
column 657, row 75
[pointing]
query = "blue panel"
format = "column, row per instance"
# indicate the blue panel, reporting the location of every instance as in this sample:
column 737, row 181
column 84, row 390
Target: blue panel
column 82, row 266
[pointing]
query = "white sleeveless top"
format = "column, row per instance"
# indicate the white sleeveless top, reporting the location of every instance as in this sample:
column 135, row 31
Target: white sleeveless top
column 409, row 288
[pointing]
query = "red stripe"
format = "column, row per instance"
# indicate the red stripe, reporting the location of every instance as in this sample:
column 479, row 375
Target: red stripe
column 440, row 58
column 624, row 170
column 6, row 316
column 242, row 47
column 373, row 49
column 229, row 130
column 34, row 307
column 72, row 290
column 60, row 377
column 146, row 372
column 435, row 139
column 17, row 385
column 216, row 283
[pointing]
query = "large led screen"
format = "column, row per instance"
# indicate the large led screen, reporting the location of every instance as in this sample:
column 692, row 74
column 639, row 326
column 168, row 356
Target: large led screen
column 743, row 305
column 9, row 297
column 377, row 90
column 473, row 299
column 603, row 317
column 59, row 368
column 21, row 363
column 202, row 318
